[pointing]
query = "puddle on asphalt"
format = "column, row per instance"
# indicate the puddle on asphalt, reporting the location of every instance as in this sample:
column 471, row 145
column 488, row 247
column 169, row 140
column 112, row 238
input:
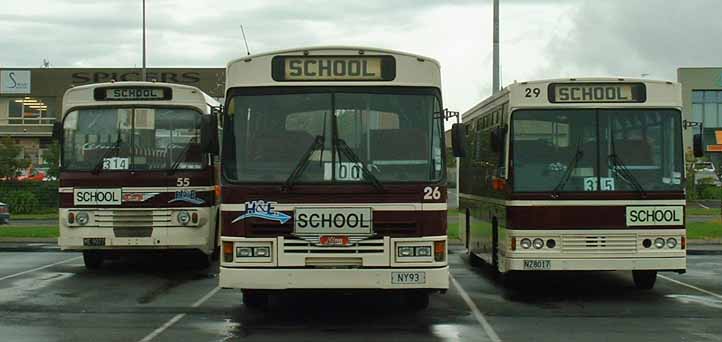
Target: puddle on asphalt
column 702, row 300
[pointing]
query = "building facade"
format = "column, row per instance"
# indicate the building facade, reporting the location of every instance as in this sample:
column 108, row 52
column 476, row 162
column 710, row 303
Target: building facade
column 31, row 98
column 702, row 99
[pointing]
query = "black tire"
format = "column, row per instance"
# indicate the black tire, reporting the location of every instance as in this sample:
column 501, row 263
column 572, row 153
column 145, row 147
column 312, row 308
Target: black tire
column 495, row 246
column 510, row 280
column 93, row 259
column 418, row 301
column 202, row 260
column 644, row 280
column 254, row 300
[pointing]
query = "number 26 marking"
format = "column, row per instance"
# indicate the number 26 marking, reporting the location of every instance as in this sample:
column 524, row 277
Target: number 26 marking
column 529, row 92
column 432, row 193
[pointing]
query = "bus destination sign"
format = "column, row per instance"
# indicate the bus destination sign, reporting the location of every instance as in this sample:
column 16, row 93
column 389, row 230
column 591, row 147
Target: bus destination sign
column 597, row 93
column 127, row 93
column 333, row 68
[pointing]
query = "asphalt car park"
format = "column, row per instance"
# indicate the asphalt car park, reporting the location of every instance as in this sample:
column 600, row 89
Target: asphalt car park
column 48, row 295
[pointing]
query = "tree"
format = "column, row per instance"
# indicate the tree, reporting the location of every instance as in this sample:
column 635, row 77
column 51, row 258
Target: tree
column 52, row 157
column 10, row 161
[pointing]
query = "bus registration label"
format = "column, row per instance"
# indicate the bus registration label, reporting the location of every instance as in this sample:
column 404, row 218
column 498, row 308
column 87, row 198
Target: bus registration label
column 537, row 265
column 333, row 221
column 408, row 277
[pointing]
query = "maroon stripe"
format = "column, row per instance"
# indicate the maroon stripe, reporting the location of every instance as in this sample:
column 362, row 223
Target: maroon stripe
column 571, row 217
column 598, row 196
column 330, row 194
column 109, row 179
column 385, row 223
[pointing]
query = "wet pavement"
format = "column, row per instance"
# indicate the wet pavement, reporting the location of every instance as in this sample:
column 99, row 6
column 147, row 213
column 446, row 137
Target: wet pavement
column 47, row 295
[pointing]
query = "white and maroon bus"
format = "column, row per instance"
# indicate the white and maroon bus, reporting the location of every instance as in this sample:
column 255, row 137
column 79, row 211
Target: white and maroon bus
column 575, row 174
column 333, row 173
column 137, row 170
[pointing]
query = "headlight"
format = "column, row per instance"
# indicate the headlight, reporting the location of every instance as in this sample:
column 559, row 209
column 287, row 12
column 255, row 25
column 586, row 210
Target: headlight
column 406, row 251
column 83, row 218
column 525, row 243
column 184, row 217
column 659, row 242
column 551, row 243
column 424, row 251
column 671, row 242
column 538, row 243
column 244, row 252
column 262, row 252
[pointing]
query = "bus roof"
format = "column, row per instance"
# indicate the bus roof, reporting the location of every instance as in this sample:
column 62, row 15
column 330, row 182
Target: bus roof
column 659, row 93
column 259, row 70
column 182, row 95
column 332, row 47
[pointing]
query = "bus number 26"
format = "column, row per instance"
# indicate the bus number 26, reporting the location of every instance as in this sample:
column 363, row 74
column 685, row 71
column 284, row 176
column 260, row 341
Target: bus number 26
column 432, row 193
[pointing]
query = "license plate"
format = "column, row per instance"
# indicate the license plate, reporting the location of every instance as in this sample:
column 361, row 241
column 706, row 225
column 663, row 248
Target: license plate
column 331, row 240
column 537, row 264
column 94, row 242
column 333, row 221
column 408, row 277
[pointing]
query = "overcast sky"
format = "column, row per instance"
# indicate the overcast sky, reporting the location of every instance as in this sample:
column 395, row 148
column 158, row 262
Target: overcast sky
column 539, row 38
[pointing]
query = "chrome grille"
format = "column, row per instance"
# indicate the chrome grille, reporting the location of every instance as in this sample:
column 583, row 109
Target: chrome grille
column 133, row 218
column 610, row 244
column 373, row 246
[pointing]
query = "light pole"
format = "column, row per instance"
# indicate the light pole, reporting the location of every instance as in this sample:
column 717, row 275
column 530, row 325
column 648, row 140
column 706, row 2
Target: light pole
column 495, row 67
column 143, row 70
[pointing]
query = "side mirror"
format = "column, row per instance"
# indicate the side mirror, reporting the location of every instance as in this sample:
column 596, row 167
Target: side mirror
column 698, row 145
column 209, row 134
column 57, row 131
column 458, row 140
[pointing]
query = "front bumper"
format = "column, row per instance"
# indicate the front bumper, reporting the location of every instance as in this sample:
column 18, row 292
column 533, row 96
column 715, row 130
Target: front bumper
column 678, row 264
column 284, row 278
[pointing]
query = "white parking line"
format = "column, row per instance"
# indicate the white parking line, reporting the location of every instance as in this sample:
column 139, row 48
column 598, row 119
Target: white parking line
column 178, row 317
column 477, row 314
column 39, row 268
column 718, row 296
column 702, row 205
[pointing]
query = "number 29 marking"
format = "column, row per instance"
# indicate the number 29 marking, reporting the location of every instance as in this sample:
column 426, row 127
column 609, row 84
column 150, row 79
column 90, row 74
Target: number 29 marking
column 532, row 92
column 432, row 193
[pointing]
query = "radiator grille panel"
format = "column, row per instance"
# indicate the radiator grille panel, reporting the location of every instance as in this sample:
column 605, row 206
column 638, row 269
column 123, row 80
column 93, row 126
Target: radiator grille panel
column 612, row 244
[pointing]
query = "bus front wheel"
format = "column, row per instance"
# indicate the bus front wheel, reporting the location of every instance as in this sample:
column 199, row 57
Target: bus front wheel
column 644, row 280
column 93, row 259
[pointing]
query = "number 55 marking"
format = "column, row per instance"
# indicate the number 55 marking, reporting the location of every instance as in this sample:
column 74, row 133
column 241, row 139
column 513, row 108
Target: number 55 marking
column 432, row 193
column 183, row 182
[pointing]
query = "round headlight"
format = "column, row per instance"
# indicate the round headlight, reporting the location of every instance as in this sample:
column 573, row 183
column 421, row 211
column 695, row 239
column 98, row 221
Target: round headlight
column 83, row 218
column 671, row 242
column 551, row 243
column 538, row 243
column 184, row 218
column 659, row 242
column 525, row 243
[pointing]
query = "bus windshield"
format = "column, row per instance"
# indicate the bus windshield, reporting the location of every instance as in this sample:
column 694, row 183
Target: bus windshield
column 393, row 134
column 132, row 139
column 582, row 150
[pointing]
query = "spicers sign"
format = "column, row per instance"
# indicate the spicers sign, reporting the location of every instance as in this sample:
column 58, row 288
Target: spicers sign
column 188, row 77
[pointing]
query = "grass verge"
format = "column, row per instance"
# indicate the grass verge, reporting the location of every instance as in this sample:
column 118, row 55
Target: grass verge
column 703, row 211
column 711, row 230
column 28, row 232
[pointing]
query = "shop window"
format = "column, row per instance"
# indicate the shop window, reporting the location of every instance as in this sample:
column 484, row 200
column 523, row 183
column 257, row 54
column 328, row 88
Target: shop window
column 31, row 110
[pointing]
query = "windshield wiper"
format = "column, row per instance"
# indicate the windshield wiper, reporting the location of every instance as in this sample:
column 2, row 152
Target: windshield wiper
column 344, row 148
column 177, row 161
column 571, row 165
column 303, row 163
column 622, row 169
column 99, row 166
